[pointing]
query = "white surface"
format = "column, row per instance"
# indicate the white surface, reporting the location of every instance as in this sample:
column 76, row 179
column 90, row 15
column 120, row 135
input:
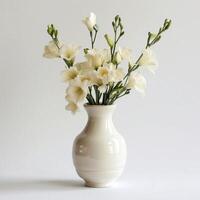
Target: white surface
column 161, row 130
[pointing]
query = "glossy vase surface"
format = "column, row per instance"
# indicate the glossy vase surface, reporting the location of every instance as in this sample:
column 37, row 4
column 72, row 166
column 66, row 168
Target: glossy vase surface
column 99, row 151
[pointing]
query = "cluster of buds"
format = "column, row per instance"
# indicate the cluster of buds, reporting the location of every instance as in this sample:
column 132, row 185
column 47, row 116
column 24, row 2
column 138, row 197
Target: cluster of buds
column 53, row 32
column 155, row 37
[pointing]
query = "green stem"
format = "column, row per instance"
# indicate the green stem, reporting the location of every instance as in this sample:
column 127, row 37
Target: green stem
column 91, row 38
column 94, row 38
column 92, row 101
column 135, row 66
column 113, row 52
column 97, row 93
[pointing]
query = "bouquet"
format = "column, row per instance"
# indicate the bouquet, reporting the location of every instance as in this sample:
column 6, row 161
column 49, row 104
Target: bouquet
column 100, row 78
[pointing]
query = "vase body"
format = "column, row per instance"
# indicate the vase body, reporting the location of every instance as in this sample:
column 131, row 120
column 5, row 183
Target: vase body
column 99, row 151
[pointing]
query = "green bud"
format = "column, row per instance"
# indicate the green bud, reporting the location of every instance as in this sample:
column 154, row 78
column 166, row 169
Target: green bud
column 56, row 33
column 49, row 30
column 122, row 33
column 119, row 20
column 152, row 36
column 116, row 18
column 85, row 50
column 157, row 39
column 121, row 26
column 109, row 40
column 167, row 23
column 113, row 24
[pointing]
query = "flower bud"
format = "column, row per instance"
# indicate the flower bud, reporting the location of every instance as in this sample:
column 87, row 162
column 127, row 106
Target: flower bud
column 86, row 50
column 117, row 58
column 167, row 23
column 109, row 40
column 90, row 21
column 116, row 18
column 152, row 36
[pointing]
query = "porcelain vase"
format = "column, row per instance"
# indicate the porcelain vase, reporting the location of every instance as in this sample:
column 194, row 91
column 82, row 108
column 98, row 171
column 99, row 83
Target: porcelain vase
column 99, row 151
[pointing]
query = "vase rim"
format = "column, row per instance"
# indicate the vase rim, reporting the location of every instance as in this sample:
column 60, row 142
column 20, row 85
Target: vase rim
column 103, row 106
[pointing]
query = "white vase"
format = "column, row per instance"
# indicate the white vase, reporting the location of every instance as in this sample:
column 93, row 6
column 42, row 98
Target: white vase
column 99, row 151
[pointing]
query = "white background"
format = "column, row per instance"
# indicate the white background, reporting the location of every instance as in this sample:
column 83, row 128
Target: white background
column 161, row 129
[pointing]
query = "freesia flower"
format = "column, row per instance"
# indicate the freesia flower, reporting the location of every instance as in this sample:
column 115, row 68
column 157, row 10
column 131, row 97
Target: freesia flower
column 97, row 57
column 90, row 21
column 72, row 106
column 105, row 73
column 69, row 52
column 137, row 82
column 97, row 80
column 101, row 70
column 77, row 90
column 89, row 76
column 51, row 50
column 83, row 66
column 109, row 73
column 69, row 74
column 119, row 74
column 148, row 60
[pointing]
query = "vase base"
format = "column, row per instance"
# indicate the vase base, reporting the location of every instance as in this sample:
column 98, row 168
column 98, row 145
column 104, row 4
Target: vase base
column 98, row 185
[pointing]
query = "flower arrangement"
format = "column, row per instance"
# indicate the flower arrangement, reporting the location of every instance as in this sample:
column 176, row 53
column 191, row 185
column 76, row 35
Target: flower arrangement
column 100, row 79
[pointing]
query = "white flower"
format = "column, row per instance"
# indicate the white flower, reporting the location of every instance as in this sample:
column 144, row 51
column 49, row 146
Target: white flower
column 69, row 74
column 51, row 50
column 72, row 106
column 90, row 21
column 137, row 82
column 95, row 79
column 103, row 72
column 69, row 52
column 148, row 60
column 89, row 76
column 119, row 74
column 77, row 90
column 97, row 57
column 83, row 66
column 125, row 53
column 86, row 72
column 109, row 73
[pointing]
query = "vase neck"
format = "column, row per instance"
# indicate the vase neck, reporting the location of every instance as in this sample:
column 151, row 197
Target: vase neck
column 100, row 120
column 100, row 111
